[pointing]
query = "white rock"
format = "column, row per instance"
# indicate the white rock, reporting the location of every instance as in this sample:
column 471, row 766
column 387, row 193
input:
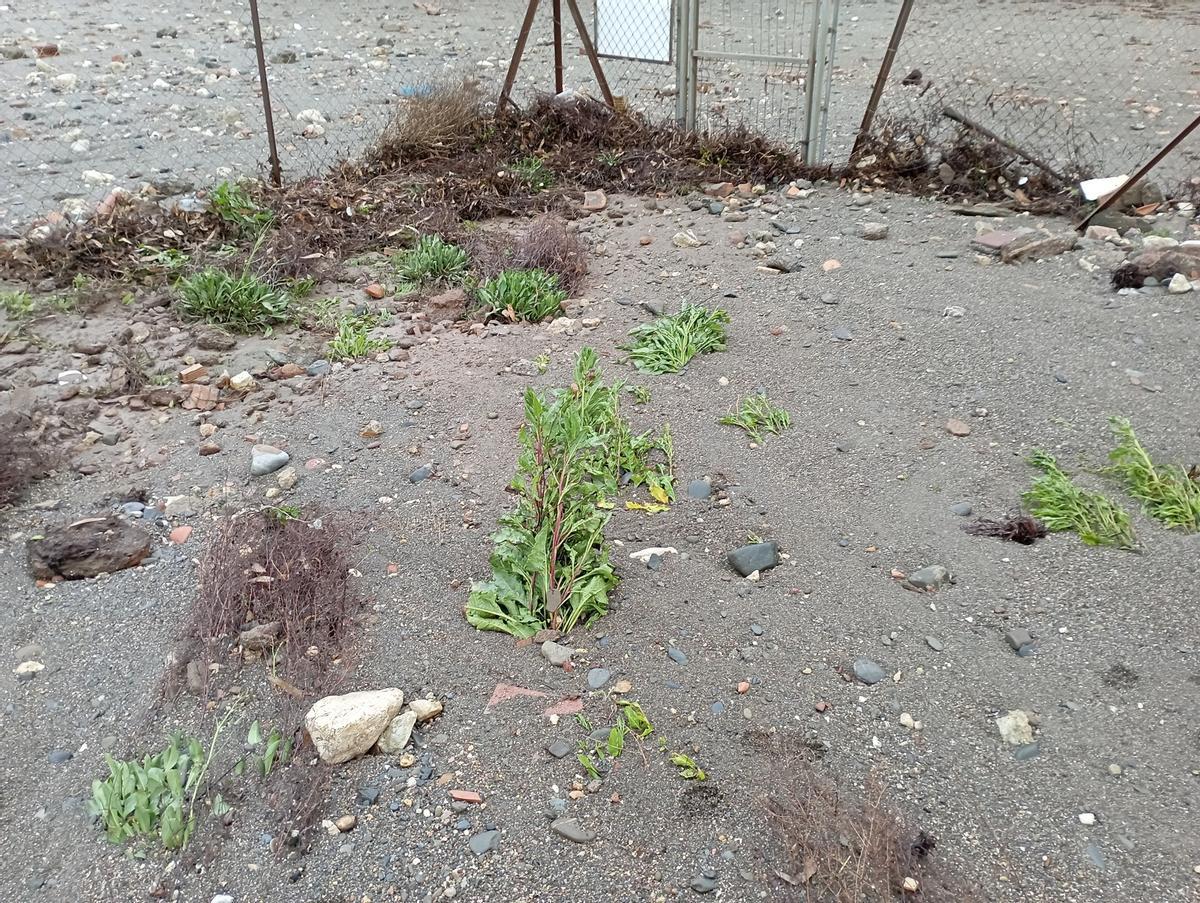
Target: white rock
column 1014, row 728
column 954, row 311
column 1179, row 284
column 241, row 382
column 397, row 734
column 644, row 555
column 1087, row 818
column 425, row 709
column 95, row 177
column 346, row 726
column 1159, row 242
column 313, row 116
column 287, row 478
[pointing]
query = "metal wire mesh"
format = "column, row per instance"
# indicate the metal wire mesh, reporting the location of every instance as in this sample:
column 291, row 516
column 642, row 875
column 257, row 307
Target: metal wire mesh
column 1091, row 88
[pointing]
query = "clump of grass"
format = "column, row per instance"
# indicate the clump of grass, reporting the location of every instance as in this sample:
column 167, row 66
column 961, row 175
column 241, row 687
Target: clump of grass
column 261, row 569
column 533, row 173
column 756, row 414
column 546, row 245
column 235, row 206
column 17, row 305
column 550, row 563
column 529, row 295
column 239, row 302
column 353, row 340
column 1168, row 493
column 1061, row 505
column 433, row 260
column 668, row 343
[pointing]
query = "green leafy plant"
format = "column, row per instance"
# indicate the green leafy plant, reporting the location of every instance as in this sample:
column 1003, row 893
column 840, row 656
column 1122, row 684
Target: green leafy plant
column 666, row 345
column 17, row 305
column 239, row 302
column 353, row 340
column 635, row 718
column 533, row 173
column 530, row 295
column 1061, row 505
column 688, row 769
column 165, row 260
column 585, row 759
column 550, row 563
column 302, row 287
column 432, row 259
column 150, row 797
column 609, row 159
column 275, row 749
column 542, row 362
column 282, row 513
column 234, row 205
column 641, row 395
column 1168, row 492
column 755, row 415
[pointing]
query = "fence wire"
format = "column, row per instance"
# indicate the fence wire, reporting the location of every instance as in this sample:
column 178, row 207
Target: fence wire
column 1092, row 88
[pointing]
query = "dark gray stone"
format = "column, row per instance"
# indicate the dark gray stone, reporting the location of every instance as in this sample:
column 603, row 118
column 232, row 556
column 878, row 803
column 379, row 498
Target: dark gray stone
column 699, row 489
column 934, row 643
column 842, row 334
column 319, row 368
column 759, row 556
column 421, row 473
column 929, row 578
column 756, row 630
column 868, row 672
column 703, row 884
column 1026, row 752
column 676, row 655
column 61, row 756
column 484, row 842
column 1018, row 637
column 572, row 830
column 598, row 677
column 560, row 748
column 962, row 509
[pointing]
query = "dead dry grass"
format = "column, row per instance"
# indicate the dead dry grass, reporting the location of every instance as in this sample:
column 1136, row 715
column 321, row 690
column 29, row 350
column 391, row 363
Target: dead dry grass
column 276, row 587
column 842, row 847
column 23, row 461
column 546, row 244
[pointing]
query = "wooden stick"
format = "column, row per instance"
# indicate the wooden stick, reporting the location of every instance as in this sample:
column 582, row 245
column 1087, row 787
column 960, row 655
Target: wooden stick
column 988, row 133
column 590, row 51
column 558, row 47
column 885, row 70
column 518, row 52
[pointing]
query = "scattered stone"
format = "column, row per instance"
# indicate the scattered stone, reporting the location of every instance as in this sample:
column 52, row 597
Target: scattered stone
column 555, row 654
column 699, row 489
column 375, row 290
column 784, row 263
column 686, row 240
column 1037, row 246
column 318, row 368
column 1015, row 728
column 962, row 509
column 94, row 545
column 287, row 478
column 703, row 884
column 180, row 535
column 265, row 459
column 934, row 643
column 28, row 669
column 61, row 756
column 343, row 727
column 868, row 672
column 425, row 709
column 980, row 210
column 422, row 473
column 372, row 429
column 560, row 748
column 1026, row 752
column 572, row 830
column 472, row 797
column 594, row 201
column 397, row 734
column 1087, row 818
column 676, row 655
column 842, row 334
column 997, row 240
column 930, row 577
column 759, row 556
column 597, row 678
column 873, row 231
column 346, row 823
column 261, row 637
column 958, row 427
column 484, row 842
column 1179, row 284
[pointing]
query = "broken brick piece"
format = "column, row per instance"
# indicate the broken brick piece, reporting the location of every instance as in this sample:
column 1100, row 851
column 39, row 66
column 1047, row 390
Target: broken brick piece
column 192, row 374
column 466, row 796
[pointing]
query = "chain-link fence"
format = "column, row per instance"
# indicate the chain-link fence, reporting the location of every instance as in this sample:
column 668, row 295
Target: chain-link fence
column 1092, row 88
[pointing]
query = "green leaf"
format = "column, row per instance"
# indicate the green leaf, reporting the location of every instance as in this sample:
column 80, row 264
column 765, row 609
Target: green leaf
column 255, row 736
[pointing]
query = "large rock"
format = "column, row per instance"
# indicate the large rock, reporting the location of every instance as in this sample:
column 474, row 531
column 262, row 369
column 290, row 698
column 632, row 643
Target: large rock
column 1163, row 265
column 757, row 556
column 346, row 726
column 1037, row 246
column 94, row 545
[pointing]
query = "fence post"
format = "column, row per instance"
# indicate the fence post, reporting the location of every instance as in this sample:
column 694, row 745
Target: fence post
column 885, row 70
column 276, row 173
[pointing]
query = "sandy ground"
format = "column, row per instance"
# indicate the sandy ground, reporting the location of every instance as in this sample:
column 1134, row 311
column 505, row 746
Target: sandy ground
column 156, row 95
column 863, row 483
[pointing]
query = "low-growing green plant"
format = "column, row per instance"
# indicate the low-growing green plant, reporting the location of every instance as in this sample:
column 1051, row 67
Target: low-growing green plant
column 239, row 302
column 641, row 395
column 353, row 340
column 432, row 259
column 150, row 797
column 1061, row 505
column 533, row 173
column 635, row 718
column 609, row 158
column 1168, row 493
column 17, row 305
column 529, row 295
column 667, row 344
column 275, row 750
column 542, row 362
column 550, row 564
column 164, row 260
column 688, row 769
column 234, row 205
column 756, row 415
column 302, row 287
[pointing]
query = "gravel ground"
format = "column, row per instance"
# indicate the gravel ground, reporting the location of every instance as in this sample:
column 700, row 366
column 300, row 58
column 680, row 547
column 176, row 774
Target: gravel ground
column 149, row 95
column 864, row 482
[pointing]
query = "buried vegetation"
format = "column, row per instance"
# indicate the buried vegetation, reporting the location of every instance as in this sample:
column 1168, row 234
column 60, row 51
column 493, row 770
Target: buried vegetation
column 550, row 564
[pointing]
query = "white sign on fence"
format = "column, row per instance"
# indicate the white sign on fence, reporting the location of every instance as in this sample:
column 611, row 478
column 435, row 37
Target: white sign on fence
column 634, row 29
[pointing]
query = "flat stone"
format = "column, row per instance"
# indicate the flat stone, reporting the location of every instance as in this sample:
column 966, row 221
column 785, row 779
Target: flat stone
column 993, row 242
column 869, row 672
column 934, row 643
column 265, row 459
column 425, row 709
column 60, row 756
column 930, row 577
column 980, row 210
column 962, row 509
column 397, row 734
column 560, row 749
column 1018, row 637
column 484, row 842
column 597, row 678
column 1026, row 752
column 556, row 654
column 421, row 473
column 842, row 334
column 958, row 428
column 758, row 556
column 85, row 548
column 572, row 830
column 873, row 231
column 1037, row 247
column 676, row 655
column 703, row 884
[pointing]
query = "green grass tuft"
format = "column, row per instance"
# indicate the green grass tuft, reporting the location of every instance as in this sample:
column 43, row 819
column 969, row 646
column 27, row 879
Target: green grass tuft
column 668, row 343
column 755, row 415
column 234, row 205
column 353, row 340
column 17, row 305
column 530, row 295
column 433, row 260
column 533, row 173
column 1061, row 505
column 238, row 302
column 1168, row 493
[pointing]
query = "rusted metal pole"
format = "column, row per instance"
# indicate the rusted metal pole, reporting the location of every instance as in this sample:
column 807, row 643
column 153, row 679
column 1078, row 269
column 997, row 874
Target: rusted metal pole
column 1141, row 173
column 276, row 171
column 586, row 40
column 1003, row 142
column 558, row 47
column 885, row 70
column 518, row 52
